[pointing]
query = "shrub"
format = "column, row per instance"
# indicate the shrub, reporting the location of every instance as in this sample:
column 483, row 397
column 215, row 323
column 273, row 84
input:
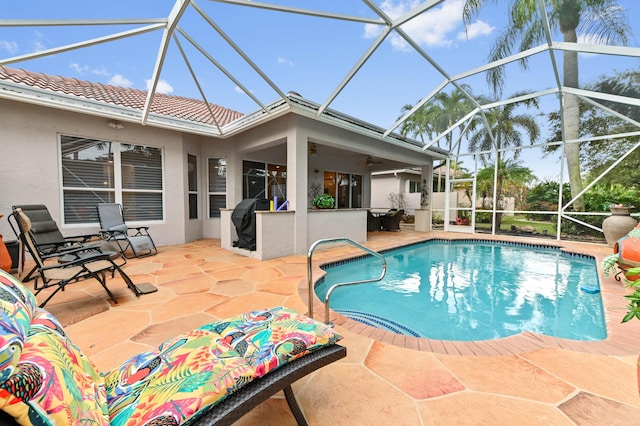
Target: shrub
column 324, row 201
column 408, row 218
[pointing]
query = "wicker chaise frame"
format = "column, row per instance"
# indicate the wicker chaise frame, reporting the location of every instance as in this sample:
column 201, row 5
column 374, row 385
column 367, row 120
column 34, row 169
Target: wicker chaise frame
column 257, row 391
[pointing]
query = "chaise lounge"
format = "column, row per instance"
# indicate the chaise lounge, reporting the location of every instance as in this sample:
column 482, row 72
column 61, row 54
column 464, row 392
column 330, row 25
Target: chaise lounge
column 210, row 375
column 135, row 240
column 47, row 237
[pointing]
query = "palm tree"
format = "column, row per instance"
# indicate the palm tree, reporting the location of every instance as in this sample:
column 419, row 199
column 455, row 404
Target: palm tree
column 437, row 115
column 605, row 18
column 506, row 130
column 420, row 123
column 452, row 107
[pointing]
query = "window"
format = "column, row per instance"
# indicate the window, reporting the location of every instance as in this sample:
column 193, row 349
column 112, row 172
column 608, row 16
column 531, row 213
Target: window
column 217, row 185
column 97, row 171
column 345, row 188
column 192, row 172
column 253, row 179
column 414, row 186
column 263, row 180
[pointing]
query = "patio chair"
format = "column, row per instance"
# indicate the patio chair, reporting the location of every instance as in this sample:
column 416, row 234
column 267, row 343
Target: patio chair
column 57, row 270
column 210, row 375
column 46, row 235
column 374, row 223
column 114, row 228
column 391, row 221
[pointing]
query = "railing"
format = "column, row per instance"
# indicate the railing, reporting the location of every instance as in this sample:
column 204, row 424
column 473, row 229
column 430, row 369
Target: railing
column 330, row 291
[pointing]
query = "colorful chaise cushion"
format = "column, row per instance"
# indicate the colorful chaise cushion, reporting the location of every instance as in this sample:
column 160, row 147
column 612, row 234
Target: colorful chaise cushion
column 187, row 374
column 45, row 379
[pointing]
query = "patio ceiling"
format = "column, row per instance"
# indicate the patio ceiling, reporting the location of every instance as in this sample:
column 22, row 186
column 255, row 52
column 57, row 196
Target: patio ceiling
column 368, row 60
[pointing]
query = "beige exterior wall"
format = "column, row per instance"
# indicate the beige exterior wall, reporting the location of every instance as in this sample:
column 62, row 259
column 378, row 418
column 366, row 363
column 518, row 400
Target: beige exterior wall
column 30, row 168
column 394, row 182
column 30, row 165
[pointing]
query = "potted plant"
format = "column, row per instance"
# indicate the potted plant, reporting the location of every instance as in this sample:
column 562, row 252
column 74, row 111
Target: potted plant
column 463, row 218
column 609, row 264
column 324, row 201
column 634, row 298
column 631, row 278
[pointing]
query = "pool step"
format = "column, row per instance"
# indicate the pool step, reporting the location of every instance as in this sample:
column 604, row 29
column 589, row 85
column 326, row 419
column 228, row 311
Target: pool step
column 378, row 322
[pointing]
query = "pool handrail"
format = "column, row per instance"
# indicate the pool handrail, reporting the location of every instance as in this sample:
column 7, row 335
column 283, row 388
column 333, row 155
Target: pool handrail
column 333, row 287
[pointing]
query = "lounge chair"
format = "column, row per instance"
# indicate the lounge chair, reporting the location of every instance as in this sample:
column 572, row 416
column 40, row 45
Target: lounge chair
column 47, row 237
column 57, row 270
column 210, row 375
column 391, row 221
column 114, row 228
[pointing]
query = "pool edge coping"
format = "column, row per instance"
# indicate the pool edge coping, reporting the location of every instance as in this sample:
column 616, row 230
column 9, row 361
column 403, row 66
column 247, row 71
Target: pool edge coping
column 622, row 339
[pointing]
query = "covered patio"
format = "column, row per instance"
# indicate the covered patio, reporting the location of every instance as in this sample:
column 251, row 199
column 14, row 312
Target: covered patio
column 528, row 379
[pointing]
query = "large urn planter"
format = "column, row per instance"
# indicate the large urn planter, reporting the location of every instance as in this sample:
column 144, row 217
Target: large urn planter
column 618, row 224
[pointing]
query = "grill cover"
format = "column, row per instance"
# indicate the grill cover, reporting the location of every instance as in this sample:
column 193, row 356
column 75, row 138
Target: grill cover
column 243, row 218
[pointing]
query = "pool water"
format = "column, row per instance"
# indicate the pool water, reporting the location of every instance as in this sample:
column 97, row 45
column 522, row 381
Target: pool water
column 473, row 290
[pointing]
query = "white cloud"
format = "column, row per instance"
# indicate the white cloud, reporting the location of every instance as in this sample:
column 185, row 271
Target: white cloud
column 119, row 80
column 438, row 27
column 477, row 29
column 162, row 87
column 78, row 68
column 393, row 11
column 372, row 31
column 285, row 61
column 39, row 43
column 10, row 47
column 101, row 71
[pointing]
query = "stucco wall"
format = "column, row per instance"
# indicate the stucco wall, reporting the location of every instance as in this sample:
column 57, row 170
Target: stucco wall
column 30, row 167
column 384, row 184
column 30, row 164
column 381, row 187
column 351, row 224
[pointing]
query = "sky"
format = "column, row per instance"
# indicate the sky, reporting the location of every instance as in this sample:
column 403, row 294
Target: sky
column 267, row 51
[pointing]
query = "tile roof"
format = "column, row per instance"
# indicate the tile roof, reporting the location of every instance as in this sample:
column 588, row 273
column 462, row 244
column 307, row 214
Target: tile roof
column 172, row 106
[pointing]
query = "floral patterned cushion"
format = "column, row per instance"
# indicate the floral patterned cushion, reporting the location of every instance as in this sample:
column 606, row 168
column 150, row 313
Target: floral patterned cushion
column 45, row 379
column 49, row 380
column 269, row 338
column 16, row 310
column 187, row 374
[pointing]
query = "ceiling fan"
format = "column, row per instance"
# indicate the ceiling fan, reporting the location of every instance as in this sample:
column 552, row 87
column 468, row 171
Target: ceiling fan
column 370, row 162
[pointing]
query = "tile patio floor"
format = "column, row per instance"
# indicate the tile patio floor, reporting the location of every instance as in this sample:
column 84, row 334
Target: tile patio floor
column 386, row 379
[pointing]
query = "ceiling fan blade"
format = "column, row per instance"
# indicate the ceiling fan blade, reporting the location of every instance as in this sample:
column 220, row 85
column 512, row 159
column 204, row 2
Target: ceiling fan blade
column 370, row 161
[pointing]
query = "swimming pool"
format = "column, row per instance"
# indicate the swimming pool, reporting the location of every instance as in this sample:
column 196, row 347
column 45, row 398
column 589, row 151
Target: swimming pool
column 472, row 290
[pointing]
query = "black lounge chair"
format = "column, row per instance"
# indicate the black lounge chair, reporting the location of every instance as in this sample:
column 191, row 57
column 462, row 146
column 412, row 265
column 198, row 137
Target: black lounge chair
column 114, row 228
column 58, row 269
column 391, row 221
column 46, row 235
